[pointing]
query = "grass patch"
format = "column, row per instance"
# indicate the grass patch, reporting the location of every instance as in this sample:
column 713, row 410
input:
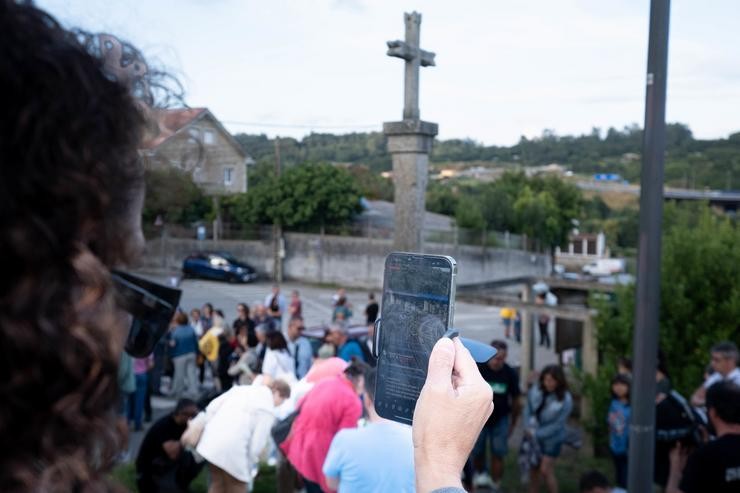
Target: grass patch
column 125, row 475
column 568, row 470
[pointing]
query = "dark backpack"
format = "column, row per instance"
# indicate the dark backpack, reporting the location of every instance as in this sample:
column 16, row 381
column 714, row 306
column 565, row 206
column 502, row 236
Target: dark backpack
column 675, row 421
column 281, row 429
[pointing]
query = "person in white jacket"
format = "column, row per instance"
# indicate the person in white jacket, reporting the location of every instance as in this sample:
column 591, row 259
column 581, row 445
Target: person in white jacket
column 278, row 362
column 237, row 430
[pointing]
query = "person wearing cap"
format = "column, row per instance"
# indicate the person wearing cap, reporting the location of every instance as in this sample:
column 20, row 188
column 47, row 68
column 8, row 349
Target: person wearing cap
column 346, row 348
column 504, row 382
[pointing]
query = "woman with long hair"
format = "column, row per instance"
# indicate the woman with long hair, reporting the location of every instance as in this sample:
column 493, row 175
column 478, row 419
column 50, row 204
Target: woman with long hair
column 278, row 363
column 71, row 193
column 548, row 406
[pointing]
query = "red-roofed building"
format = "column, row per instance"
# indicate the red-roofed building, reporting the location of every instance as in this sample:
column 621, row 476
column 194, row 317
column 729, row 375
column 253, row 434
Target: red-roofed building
column 193, row 140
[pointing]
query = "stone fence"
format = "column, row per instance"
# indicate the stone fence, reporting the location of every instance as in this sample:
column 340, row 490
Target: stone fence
column 346, row 261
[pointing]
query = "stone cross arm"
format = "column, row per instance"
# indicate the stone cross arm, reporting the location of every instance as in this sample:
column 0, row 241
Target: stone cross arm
column 401, row 49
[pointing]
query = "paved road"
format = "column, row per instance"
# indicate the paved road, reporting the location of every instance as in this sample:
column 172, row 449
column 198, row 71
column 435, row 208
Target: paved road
column 478, row 322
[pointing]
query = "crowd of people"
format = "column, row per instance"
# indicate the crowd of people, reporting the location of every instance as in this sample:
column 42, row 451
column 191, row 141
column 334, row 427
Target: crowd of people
column 75, row 114
column 698, row 439
column 694, row 439
column 325, row 449
column 227, row 369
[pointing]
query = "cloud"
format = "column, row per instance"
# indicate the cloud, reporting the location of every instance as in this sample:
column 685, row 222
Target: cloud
column 503, row 68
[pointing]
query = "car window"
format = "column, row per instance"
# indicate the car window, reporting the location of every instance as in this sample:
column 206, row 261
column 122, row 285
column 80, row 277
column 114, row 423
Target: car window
column 230, row 258
column 218, row 261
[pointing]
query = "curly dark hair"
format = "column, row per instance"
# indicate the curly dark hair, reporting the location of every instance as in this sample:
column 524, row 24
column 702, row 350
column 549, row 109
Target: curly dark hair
column 70, row 179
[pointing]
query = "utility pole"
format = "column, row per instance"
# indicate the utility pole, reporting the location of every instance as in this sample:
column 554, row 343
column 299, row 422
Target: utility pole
column 277, row 230
column 647, row 307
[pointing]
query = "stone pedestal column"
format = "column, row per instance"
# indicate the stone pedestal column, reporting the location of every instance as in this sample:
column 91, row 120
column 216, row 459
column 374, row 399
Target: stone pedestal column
column 409, row 142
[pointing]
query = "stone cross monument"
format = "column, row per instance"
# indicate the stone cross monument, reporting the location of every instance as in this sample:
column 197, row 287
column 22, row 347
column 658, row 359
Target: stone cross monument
column 410, row 142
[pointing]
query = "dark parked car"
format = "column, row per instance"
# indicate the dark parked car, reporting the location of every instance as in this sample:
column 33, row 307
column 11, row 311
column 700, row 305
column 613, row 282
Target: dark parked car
column 219, row 266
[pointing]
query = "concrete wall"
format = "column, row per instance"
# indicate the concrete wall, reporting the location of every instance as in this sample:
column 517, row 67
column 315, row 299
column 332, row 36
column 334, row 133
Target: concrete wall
column 348, row 261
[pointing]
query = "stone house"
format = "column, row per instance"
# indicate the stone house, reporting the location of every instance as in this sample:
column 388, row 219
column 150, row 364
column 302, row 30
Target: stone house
column 192, row 139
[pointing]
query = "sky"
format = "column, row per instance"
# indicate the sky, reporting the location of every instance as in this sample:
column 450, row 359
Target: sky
column 504, row 69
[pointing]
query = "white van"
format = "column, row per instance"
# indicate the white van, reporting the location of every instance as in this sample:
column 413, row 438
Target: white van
column 604, row 267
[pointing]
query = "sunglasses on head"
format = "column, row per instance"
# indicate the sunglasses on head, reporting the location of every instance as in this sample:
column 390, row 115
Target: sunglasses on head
column 151, row 306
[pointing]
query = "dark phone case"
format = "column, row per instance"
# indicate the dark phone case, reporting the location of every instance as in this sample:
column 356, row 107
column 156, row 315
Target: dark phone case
column 403, row 355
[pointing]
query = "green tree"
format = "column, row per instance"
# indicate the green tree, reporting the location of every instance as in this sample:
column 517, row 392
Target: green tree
column 700, row 303
column 441, row 199
column 172, row 195
column 314, row 194
column 371, row 185
column 537, row 215
column 689, row 162
column 569, row 204
column 305, row 196
column 468, row 214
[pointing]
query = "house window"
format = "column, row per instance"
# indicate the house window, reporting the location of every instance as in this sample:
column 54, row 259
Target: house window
column 209, row 137
column 194, row 133
column 228, row 176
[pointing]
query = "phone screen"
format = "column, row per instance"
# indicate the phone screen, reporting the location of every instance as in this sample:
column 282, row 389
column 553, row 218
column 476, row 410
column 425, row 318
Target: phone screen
column 416, row 312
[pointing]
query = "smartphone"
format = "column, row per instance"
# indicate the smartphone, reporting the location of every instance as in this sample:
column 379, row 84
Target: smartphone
column 417, row 309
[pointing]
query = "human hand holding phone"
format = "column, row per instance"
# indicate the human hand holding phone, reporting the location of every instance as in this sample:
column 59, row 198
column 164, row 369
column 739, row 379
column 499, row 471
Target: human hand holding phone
column 453, row 406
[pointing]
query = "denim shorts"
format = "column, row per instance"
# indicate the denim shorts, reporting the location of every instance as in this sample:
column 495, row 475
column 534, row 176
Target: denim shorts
column 497, row 436
column 550, row 446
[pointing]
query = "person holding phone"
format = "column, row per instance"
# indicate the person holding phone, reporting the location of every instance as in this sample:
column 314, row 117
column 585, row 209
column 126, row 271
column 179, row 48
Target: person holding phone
column 454, row 404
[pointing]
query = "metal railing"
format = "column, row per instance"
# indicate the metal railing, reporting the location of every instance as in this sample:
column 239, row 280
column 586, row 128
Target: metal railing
column 233, row 231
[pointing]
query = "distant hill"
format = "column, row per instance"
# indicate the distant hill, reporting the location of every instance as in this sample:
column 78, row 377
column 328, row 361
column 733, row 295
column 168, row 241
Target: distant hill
column 690, row 162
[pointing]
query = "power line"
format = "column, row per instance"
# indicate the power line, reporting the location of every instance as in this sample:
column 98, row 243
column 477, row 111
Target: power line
column 299, row 125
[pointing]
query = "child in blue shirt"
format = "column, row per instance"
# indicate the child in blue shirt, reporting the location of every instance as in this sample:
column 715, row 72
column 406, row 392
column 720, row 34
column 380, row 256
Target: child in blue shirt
column 618, row 420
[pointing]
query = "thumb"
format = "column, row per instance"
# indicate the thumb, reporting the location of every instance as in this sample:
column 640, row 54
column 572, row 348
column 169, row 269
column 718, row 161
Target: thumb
column 441, row 362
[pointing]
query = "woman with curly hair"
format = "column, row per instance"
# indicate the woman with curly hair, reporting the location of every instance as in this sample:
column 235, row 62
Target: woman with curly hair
column 71, row 193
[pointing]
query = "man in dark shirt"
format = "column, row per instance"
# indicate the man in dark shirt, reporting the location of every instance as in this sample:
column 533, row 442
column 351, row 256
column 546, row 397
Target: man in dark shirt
column 245, row 324
column 714, row 466
column 162, row 465
column 504, row 382
column 371, row 310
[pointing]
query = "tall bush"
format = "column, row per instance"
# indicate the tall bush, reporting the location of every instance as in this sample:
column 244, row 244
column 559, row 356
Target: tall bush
column 700, row 304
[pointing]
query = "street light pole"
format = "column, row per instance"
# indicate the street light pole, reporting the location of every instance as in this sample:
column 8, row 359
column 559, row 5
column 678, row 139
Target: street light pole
column 647, row 307
column 277, row 230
